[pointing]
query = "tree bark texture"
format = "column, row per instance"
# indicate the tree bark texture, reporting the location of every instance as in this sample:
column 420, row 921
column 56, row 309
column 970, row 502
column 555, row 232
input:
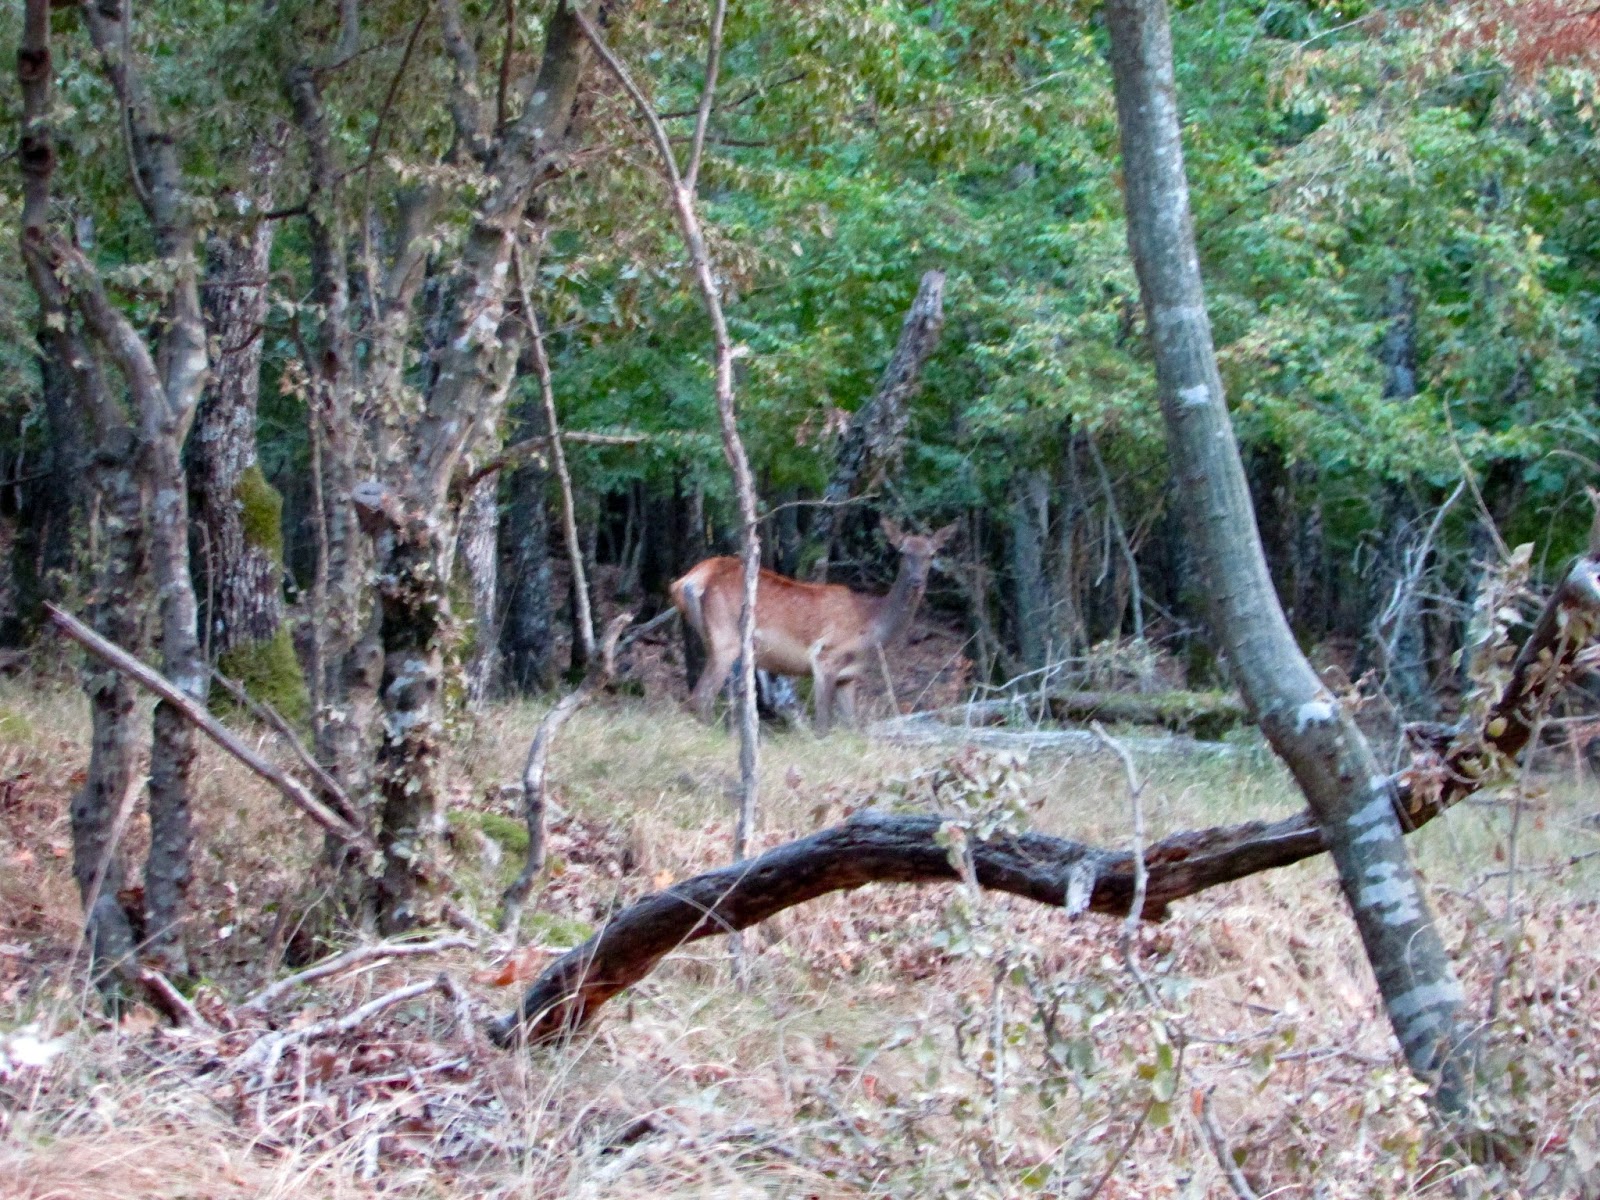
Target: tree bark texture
column 877, row 429
column 163, row 387
column 528, row 636
column 238, row 512
column 476, row 551
column 1352, row 800
column 1030, row 590
column 114, row 746
column 878, row 847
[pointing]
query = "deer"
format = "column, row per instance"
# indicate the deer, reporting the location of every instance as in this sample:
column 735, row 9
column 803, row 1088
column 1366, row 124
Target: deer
column 823, row 630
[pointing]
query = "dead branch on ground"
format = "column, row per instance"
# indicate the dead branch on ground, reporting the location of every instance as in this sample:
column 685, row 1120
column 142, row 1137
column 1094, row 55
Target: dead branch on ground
column 350, row 958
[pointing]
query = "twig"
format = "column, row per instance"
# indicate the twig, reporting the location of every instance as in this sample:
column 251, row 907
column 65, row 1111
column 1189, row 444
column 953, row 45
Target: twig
column 1219, row 1147
column 888, row 682
column 171, row 1001
column 467, row 1029
column 267, row 1049
column 351, row 958
column 537, row 444
column 1559, row 865
column 558, row 457
column 1122, row 538
column 270, row 716
column 708, row 95
column 683, row 206
column 1141, row 873
column 536, row 772
column 1122, row 1152
column 290, row 788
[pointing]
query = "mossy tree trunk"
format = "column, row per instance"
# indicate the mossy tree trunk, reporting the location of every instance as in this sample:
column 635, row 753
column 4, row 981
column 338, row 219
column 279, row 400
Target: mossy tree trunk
column 238, row 512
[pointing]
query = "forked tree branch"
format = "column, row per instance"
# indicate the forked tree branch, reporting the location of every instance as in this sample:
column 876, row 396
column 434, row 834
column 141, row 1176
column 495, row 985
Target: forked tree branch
column 708, row 95
column 879, row 847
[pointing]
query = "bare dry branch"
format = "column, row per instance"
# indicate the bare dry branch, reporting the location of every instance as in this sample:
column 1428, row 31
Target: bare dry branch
column 290, row 788
column 535, row 775
column 708, row 94
column 351, row 958
column 1219, row 1147
column 279, row 724
column 265, row 1051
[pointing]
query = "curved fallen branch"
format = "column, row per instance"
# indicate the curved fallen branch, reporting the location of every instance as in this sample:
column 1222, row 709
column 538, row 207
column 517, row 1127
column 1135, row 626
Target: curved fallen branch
column 270, row 994
column 878, row 847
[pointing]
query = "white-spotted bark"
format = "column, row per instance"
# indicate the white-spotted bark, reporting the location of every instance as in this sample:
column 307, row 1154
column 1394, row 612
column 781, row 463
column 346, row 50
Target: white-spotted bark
column 1353, row 802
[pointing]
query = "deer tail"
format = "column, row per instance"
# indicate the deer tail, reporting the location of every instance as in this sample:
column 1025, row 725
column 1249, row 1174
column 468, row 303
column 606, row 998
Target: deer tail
column 686, row 595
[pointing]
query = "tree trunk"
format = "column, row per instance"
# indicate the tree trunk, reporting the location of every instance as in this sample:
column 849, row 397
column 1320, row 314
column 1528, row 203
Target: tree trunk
column 414, row 613
column 1354, row 804
column 1400, row 641
column 878, row 427
column 528, row 638
column 51, row 513
column 1030, row 516
column 100, row 807
column 476, row 552
column 239, row 513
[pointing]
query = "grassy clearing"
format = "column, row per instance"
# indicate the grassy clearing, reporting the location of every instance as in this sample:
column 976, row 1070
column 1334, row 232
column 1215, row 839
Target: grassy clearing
column 896, row 1041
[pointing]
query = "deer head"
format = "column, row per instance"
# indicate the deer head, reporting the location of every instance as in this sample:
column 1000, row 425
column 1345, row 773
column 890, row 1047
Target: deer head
column 917, row 552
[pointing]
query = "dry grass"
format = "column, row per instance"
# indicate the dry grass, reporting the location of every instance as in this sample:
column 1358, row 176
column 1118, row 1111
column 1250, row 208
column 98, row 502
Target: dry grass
column 890, row 1043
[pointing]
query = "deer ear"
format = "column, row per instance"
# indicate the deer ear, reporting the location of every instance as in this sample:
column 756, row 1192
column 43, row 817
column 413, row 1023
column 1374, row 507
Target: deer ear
column 892, row 532
column 942, row 536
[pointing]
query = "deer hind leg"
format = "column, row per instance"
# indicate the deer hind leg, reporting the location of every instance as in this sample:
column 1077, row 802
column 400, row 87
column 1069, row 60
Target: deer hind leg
column 823, row 683
column 846, row 695
column 719, row 662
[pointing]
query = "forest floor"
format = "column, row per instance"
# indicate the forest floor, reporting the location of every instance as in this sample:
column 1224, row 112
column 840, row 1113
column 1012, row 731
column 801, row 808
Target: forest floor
column 895, row 1041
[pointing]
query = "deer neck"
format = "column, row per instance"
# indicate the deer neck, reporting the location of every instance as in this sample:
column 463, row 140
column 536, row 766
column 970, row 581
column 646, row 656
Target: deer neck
column 897, row 608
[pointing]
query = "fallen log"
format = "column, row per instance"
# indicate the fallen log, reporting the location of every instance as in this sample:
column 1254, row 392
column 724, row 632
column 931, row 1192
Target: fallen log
column 1205, row 715
column 887, row 848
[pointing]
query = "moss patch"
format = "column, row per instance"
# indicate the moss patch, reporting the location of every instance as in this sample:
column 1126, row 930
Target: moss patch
column 261, row 512
column 16, row 728
column 554, row 930
column 271, row 673
column 509, row 832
